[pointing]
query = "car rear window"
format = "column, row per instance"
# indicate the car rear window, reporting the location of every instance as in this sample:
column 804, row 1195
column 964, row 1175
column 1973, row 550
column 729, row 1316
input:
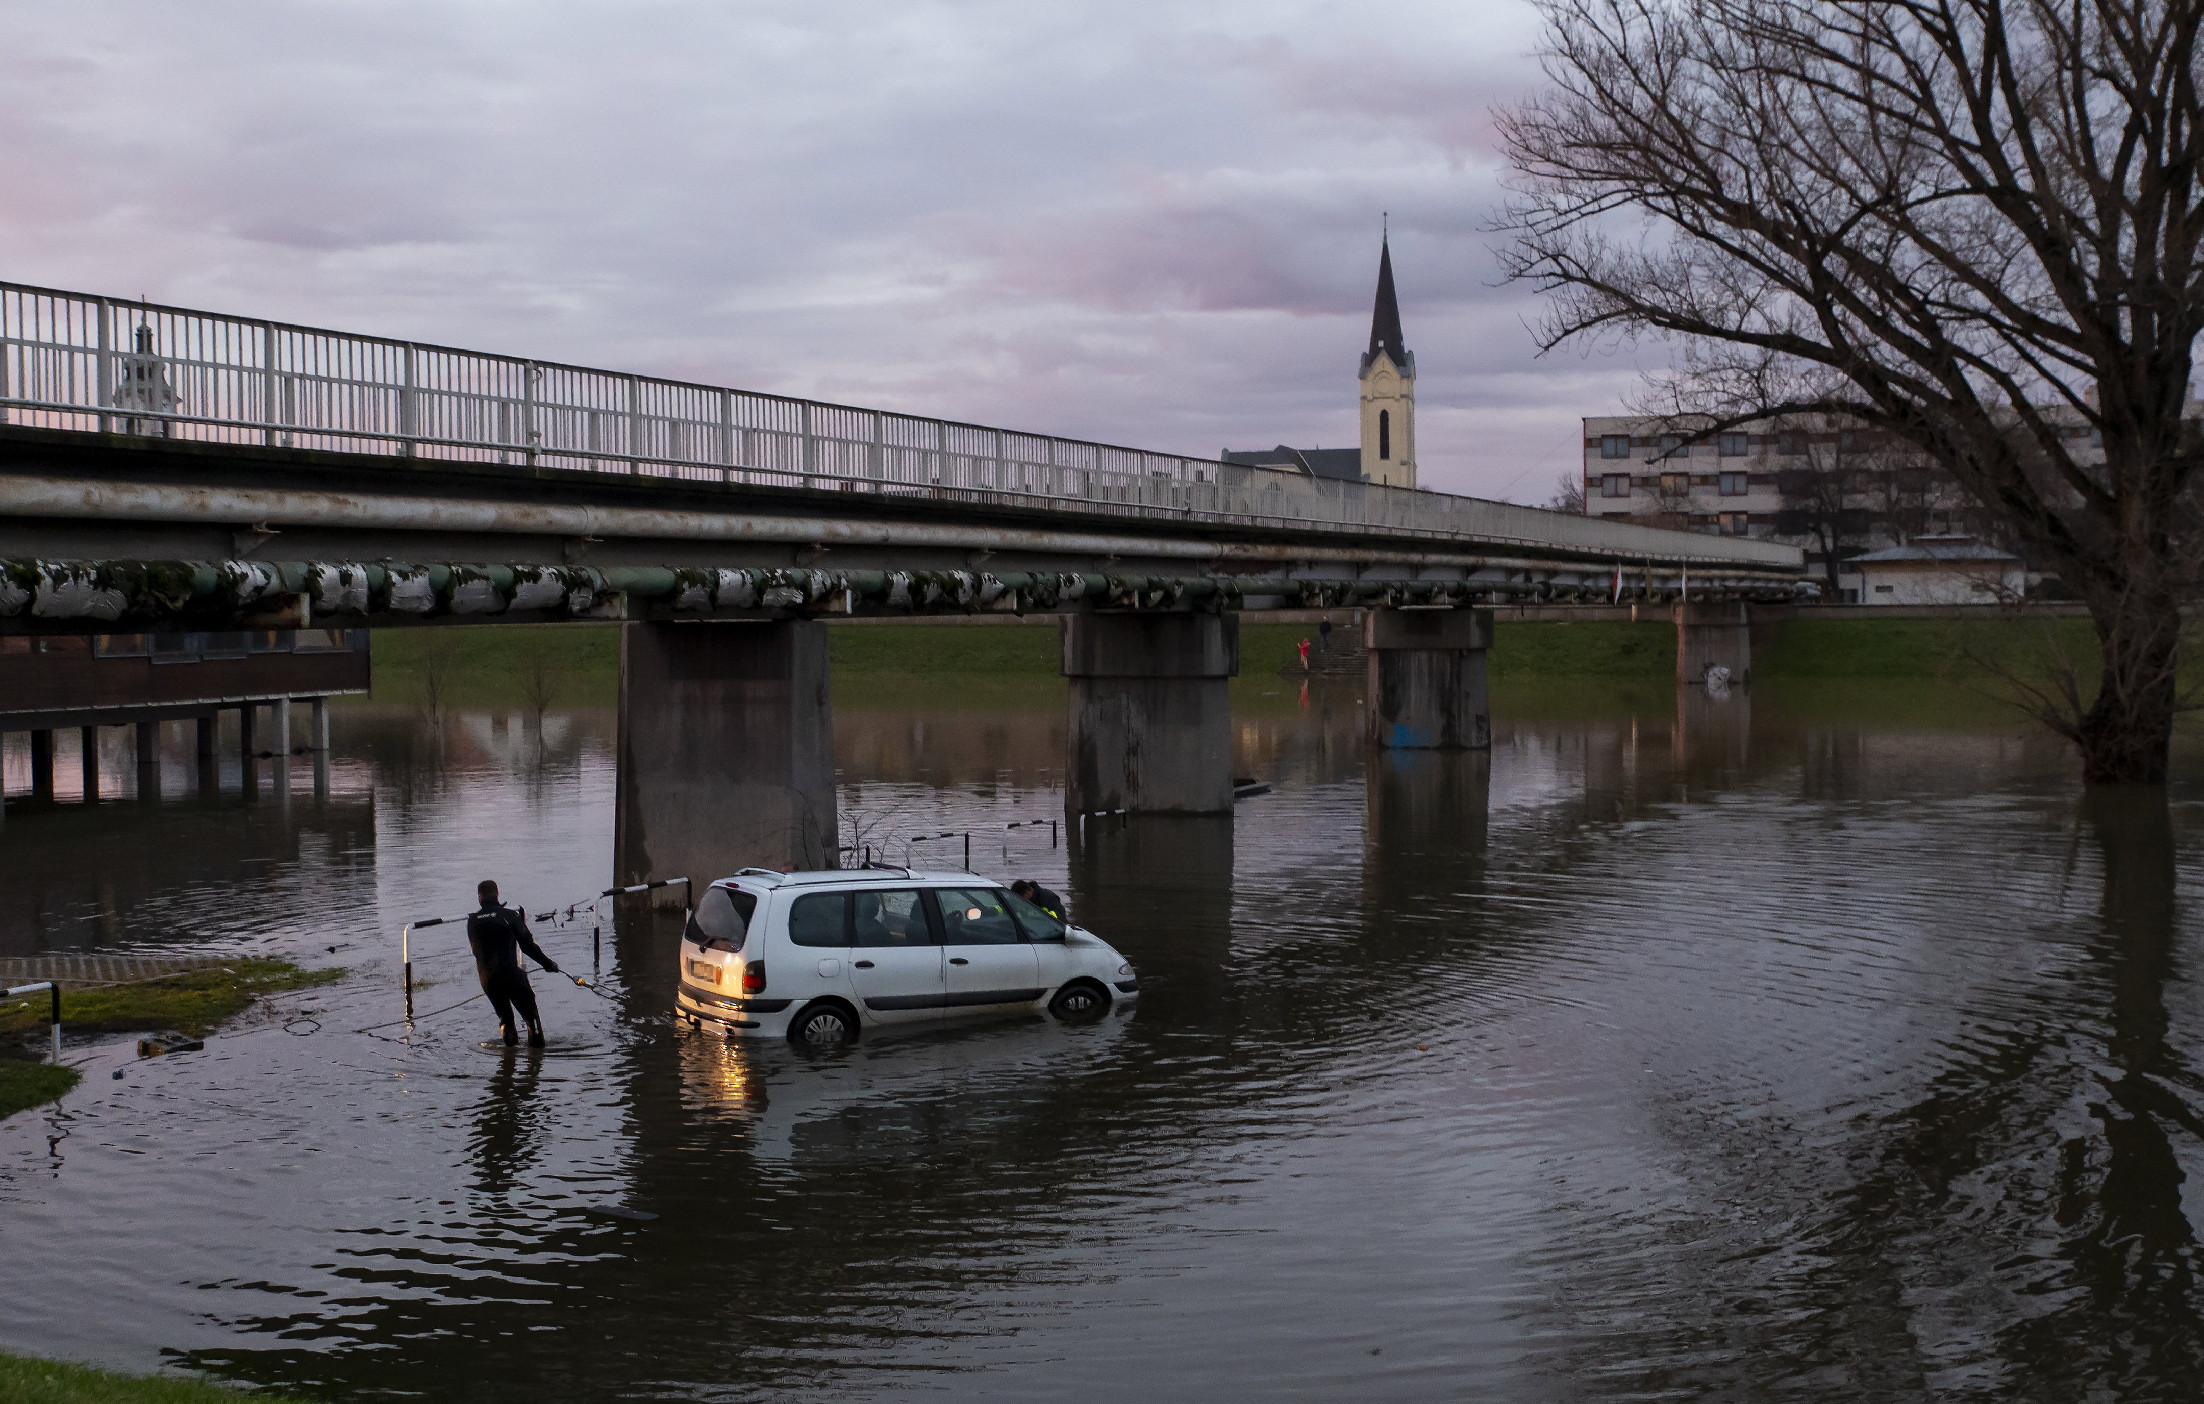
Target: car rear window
column 722, row 918
column 892, row 918
column 820, row 919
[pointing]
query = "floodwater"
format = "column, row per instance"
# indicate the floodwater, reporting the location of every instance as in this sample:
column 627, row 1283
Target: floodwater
column 1790, row 1047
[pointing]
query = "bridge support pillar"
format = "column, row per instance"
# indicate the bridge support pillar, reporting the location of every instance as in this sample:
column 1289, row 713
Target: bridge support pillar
column 1711, row 634
column 148, row 736
column 42, row 764
column 88, row 759
column 1427, row 679
column 726, row 751
column 206, row 731
column 1151, row 712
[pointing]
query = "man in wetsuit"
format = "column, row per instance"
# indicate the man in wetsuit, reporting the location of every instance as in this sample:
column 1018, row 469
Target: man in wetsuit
column 1039, row 896
column 499, row 935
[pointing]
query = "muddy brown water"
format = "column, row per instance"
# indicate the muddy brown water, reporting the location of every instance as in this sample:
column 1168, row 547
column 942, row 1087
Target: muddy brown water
column 1762, row 1050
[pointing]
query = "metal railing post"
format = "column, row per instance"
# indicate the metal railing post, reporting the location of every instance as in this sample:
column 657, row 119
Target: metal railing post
column 53, row 1016
column 409, row 407
column 270, row 410
column 727, row 436
column 879, row 469
column 807, row 456
column 528, row 412
column 635, row 423
column 103, row 380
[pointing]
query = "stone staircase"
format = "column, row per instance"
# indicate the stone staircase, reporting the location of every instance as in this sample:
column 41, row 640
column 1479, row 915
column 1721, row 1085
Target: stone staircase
column 83, row 972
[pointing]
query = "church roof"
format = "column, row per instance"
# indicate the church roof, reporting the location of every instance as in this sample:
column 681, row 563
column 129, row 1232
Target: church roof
column 1344, row 464
column 1385, row 333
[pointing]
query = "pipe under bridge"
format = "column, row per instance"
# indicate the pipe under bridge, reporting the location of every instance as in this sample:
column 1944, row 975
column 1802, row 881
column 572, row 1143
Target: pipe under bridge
column 164, row 469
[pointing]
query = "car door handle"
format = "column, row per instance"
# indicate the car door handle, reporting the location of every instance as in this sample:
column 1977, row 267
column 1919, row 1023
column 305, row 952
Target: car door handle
column 958, row 960
column 864, row 965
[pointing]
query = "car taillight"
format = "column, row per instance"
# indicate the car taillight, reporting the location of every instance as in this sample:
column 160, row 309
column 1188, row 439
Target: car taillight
column 753, row 977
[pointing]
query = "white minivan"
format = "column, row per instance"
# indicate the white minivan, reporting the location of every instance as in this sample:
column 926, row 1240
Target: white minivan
column 815, row 957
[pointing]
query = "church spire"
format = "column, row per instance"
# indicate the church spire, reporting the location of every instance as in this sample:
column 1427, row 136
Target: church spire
column 1385, row 334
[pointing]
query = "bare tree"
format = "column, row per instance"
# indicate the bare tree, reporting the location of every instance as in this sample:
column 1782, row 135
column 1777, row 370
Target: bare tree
column 1568, row 493
column 1821, row 497
column 1972, row 224
column 436, row 673
column 539, row 684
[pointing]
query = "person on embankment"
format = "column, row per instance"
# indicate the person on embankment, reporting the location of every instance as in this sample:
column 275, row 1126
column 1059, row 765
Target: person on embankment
column 499, row 935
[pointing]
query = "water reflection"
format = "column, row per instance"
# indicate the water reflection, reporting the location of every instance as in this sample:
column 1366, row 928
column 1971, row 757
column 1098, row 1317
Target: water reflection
column 1677, row 1048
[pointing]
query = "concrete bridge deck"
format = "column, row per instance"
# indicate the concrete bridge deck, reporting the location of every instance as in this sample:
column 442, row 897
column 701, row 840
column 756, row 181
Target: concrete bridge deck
column 163, row 469
column 137, row 434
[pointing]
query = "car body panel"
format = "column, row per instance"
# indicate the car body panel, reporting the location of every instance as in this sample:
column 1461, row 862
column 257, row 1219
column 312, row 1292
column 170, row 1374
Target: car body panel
column 912, row 962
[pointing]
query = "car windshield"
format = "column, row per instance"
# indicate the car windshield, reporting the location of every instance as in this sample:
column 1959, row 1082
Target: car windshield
column 1037, row 924
column 975, row 916
column 722, row 919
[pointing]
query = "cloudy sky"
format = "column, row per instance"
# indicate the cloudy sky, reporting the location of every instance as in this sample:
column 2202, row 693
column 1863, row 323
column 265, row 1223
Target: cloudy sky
column 1149, row 224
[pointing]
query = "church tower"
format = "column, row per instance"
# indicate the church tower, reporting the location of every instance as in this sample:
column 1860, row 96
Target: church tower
column 1388, row 389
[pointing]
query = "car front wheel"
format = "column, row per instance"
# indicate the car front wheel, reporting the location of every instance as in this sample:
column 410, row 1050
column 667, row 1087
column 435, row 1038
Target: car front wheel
column 1078, row 1000
column 823, row 1026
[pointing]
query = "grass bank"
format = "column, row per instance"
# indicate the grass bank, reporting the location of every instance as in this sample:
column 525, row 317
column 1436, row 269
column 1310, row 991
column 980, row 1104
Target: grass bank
column 25, row 1084
column 27, row 1381
column 195, row 1003
column 577, row 665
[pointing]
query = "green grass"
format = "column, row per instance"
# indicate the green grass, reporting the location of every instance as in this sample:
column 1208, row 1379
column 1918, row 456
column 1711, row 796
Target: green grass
column 26, row 1381
column 1582, row 649
column 580, row 662
column 25, row 1084
column 495, row 666
column 194, row 1002
column 1919, row 648
column 944, row 650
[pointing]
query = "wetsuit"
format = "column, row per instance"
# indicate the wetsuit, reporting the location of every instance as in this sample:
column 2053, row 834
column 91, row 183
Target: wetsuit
column 499, row 935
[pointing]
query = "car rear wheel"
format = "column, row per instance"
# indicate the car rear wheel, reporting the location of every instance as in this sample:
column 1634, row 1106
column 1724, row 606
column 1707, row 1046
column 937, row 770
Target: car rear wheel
column 823, row 1026
column 1081, row 999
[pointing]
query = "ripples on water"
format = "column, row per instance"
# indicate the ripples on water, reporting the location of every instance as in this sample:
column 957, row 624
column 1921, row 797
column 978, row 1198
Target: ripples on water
column 1645, row 1058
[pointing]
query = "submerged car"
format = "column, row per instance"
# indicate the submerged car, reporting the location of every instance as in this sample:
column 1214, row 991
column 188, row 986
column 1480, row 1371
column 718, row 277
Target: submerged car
column 818, row 957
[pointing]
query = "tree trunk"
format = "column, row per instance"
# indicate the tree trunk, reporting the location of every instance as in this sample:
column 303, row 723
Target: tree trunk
column 2126, row 733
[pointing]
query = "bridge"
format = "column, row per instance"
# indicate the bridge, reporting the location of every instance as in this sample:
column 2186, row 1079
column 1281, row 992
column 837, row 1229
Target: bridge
column 164, row 469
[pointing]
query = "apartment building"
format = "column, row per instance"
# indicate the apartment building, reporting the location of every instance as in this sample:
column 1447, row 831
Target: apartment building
column 1836, row 491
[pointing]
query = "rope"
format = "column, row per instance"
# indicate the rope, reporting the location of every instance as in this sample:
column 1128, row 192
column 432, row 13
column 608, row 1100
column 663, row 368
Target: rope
column 416, row 1018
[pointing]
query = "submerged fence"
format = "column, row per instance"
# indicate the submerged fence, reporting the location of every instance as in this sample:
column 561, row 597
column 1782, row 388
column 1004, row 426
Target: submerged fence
column 75, row 361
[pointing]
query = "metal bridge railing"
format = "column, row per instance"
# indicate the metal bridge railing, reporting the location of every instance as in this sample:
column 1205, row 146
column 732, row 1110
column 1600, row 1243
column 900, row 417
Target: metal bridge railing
column 75, row 361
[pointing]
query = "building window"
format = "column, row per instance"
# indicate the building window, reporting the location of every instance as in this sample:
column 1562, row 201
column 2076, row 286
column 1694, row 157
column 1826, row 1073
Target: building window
column 1672, row 444
column 1734, row 445
column 1791, row 443
column 1385, row 434
column 1675, row 482
column 1884, row 589
column 1736, row 523
column 176, row 648
column 1732, row 484
column 119, row 645
column 1614, row 446
column 1615, row 485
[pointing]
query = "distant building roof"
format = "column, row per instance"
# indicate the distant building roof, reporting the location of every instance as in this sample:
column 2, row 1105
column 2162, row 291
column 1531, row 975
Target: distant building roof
column 1342, row 464
column 1937, row 548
